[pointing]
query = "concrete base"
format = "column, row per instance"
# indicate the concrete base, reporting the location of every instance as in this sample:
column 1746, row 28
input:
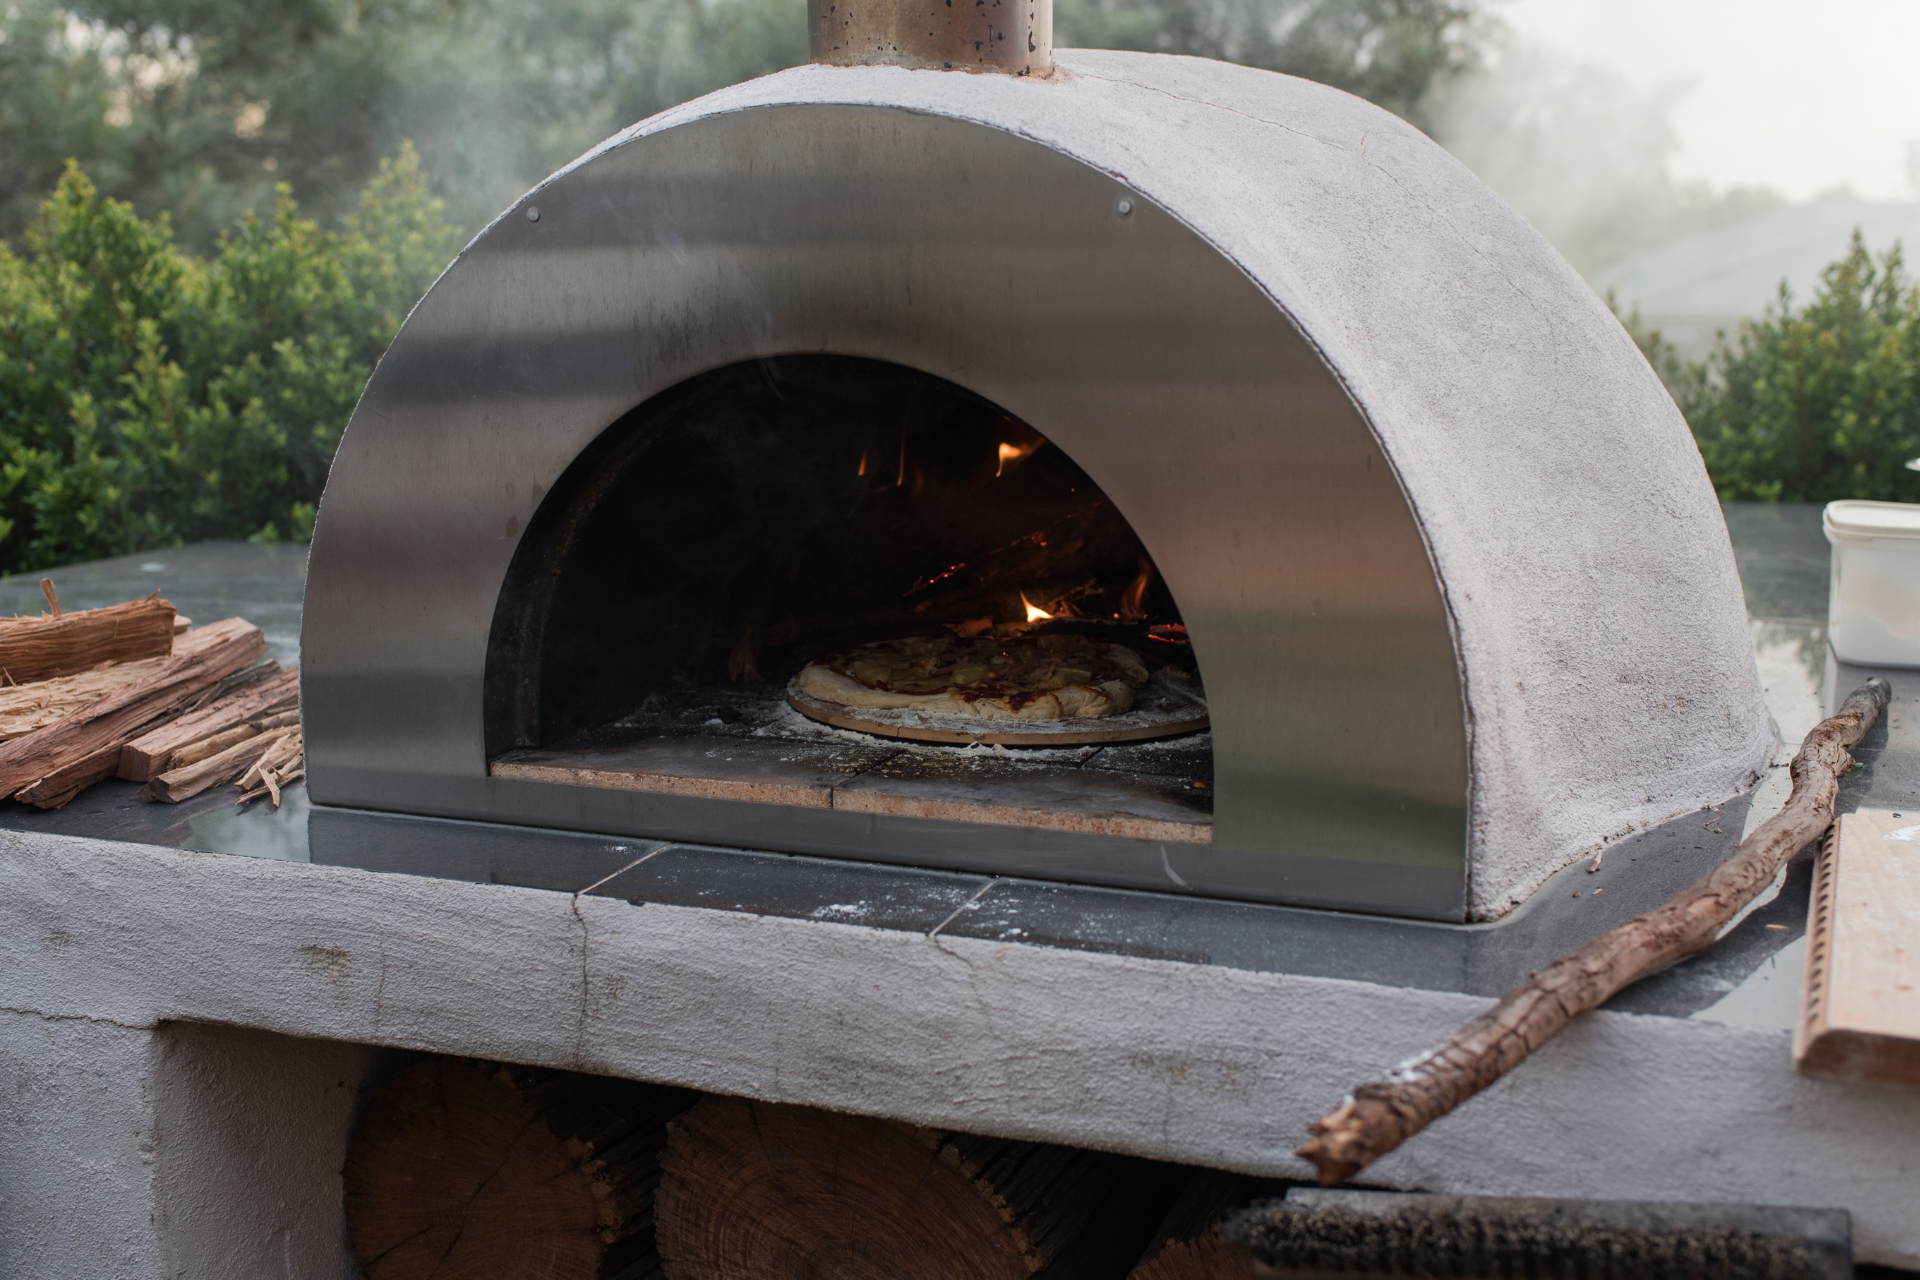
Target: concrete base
column 181, row 1149
column 185, row 1037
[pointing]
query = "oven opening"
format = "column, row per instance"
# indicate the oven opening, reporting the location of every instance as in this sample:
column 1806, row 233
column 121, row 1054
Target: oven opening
column 676, row 582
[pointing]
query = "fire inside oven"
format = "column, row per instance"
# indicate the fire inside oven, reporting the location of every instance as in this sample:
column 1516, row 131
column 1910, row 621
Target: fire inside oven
column 731, row 529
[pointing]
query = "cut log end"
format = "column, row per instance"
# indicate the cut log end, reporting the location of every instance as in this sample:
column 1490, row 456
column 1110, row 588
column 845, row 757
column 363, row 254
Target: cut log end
column 1205, row 1257
column 468, row 1168
column 760, row 1189
column 1189, row 1244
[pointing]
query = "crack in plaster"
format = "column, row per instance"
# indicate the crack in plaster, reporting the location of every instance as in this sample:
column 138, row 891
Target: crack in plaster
column 586, row 976
column 77, row 1017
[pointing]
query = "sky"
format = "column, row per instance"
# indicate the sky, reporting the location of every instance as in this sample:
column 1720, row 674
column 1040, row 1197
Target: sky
column 1801, row 96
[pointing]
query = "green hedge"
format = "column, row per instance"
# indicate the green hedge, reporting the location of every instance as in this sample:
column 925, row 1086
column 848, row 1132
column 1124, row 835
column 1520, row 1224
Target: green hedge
column 150, row 398
column 1815, row 403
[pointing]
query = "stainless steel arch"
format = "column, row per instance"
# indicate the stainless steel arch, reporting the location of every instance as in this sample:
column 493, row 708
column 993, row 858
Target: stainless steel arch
column 999, row 264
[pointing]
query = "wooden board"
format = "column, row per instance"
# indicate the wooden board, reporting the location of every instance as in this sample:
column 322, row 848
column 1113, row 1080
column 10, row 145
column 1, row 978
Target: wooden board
column 1038, row 796
column 1135, row 726
column 756, row 771
column 883, row 780
column 1860, row 998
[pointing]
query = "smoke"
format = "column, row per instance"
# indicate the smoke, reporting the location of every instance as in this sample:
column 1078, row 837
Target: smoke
column 1580, row 152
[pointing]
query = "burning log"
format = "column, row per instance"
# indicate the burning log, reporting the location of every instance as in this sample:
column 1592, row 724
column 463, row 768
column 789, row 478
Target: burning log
column 67, row 644
column 200, row 662
column 763, row 1189
column 1379, row 1117
column 470, row 1169
column 161, row 748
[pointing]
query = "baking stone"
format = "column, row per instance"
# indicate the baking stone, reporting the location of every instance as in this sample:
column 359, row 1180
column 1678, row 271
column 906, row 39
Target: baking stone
column 1173, row 715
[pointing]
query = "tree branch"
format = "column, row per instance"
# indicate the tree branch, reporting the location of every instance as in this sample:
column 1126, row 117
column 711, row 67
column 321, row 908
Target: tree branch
column 1378, row 1117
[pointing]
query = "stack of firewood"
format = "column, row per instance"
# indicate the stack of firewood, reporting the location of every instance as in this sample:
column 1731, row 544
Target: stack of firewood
column 135, row 691
column 462, row 1168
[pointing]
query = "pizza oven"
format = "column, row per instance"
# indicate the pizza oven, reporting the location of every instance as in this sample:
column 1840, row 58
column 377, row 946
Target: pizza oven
column 1229, row 368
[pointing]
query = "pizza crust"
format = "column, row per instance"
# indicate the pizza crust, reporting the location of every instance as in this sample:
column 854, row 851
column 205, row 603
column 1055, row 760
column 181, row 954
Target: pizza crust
column 1118, row 670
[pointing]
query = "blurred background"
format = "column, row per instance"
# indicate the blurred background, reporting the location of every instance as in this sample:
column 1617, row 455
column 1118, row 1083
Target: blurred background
column 217, row 212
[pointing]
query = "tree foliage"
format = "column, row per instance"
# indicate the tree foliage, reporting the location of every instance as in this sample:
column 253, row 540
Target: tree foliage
column 1814, row 403
column 149, row 397
column 201, row 107
column 165, row 376
column 1392, row 52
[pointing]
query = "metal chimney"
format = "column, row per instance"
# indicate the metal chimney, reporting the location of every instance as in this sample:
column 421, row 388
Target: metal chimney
column 1013, row 37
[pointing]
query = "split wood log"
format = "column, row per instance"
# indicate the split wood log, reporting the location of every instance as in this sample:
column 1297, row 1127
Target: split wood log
column 24, row 708
column 195, row 752
column 1188, row 1245
column 211, row 654
column 225, row 766
column 764, row 1189
column 153, row 752
column 1378, row 1117
column 69, row 643
column 58, row 788
column 463, row 1168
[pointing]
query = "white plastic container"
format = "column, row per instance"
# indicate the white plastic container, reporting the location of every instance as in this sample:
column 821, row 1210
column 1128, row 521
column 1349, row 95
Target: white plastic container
column 1873, row 613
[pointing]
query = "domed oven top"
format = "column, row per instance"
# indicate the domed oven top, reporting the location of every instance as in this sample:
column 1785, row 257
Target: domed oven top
column 1454, row 579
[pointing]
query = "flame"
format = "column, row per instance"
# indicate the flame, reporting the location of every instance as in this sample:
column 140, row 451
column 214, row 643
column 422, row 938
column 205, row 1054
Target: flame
column 1034, row 612
column 1134, row 597
column 863, row 463
column 1013, row 453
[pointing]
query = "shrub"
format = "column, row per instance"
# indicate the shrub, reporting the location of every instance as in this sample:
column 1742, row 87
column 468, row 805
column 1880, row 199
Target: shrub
column 149, row 397
column 1813, row 404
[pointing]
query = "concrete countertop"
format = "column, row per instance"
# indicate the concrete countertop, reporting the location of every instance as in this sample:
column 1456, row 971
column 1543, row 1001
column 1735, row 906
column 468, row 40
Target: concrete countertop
column 159, row 998
column 1750, row 978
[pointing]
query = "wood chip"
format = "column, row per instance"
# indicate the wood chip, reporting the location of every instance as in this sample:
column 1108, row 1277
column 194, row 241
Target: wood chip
column 195, row 752
column 182, row 784
column 287, row 749
column 286, row 779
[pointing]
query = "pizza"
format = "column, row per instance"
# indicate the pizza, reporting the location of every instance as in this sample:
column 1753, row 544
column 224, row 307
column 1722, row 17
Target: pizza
column 1044, row 678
